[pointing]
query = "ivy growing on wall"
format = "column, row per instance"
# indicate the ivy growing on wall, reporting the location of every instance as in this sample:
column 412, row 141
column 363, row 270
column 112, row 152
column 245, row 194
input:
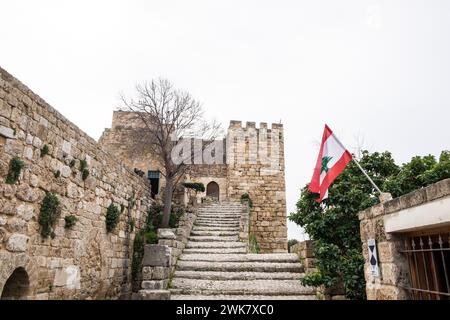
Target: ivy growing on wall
column 49, row 213
column 15, row 167
column 44, row 151
column 196, row 186
column 246, row 198
column 112, row 217
column 70, row 221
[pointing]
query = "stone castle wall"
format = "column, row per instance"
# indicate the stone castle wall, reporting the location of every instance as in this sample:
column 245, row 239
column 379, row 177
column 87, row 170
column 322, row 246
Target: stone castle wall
column 255, row 158
column 254, row 164
column 82, row 262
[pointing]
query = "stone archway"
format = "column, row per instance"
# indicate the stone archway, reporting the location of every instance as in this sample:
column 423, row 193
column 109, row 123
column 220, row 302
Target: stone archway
column 17, row 286
column 212, row 190
column 16, row 270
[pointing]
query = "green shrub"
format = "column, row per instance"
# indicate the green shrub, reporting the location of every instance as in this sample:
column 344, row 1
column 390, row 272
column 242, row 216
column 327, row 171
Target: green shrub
column 83, row 165
column 292, row 242
column 197, row 186
column 70, row 221
column 49, row 213
column 253, row 244
column 15, row 167
column 84, row 174
column 44, row 151
column 136, row 261
column 155, row 216
column 151, row 237
column 246, row 198
column 112, row 217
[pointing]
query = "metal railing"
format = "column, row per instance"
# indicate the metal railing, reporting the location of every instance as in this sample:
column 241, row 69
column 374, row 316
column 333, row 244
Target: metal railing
column 429, row 265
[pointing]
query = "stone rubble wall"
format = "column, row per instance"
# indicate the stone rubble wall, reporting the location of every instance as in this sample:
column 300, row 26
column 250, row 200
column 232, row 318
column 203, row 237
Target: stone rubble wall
column 160, row 260
column 263, row 182
column 393, row 265
column 84, row 262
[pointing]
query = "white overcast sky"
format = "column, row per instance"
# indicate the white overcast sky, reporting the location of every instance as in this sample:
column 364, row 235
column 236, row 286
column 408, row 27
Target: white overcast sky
column 374, row 69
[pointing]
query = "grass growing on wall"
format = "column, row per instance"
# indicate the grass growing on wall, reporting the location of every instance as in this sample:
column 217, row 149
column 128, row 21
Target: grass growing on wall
column 49, row 214
column 112, row 217
column 15, row 167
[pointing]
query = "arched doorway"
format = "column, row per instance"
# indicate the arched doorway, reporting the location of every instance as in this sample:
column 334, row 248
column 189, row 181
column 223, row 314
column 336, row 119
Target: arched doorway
column 212, row 190
column 17, row 285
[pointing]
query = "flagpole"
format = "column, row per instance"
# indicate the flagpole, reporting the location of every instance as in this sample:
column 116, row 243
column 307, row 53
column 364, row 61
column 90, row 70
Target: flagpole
column 360, row 168
column 367, row 176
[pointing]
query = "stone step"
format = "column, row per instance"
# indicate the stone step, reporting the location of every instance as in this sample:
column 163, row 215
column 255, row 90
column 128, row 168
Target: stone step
column 213, row 238
column 246, row 275
column 217, row 220
column 211, row 245
column 215, row 250
column 217, row 217
column 240, row 297
column 250, row 257
column 220, row 211
column 214, row 233
column 220, row 228
column 240, row 287
column 216, row 223
column 239, row 266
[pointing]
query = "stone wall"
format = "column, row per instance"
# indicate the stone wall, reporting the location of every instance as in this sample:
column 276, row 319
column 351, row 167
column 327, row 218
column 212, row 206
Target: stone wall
column 390, row 224
column 263, row 179
column 254, row 165
column 125, row 141
column 84, row 262
column 160, row 260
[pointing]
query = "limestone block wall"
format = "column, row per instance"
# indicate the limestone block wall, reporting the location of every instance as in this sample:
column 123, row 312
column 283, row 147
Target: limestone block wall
column 255, row 159
column 390, row 224
column 84, row 262
column 125, row 141
column 210, row 173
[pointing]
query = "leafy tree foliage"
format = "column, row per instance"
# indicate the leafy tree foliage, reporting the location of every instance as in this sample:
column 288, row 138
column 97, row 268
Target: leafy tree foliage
column 334, row 224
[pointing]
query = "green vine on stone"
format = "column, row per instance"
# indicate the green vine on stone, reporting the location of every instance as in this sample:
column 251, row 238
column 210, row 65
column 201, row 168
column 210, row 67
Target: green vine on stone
column 70, row 221
column 253, row 244
column 15, row 167
column 246, row 198
column 44, row 151
column 196, row 186
column 83, row 165
column 49, row 213
column 112, row 217
column 84, row 174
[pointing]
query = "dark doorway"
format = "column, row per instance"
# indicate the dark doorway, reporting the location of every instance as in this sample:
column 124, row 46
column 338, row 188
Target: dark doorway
column 154, row 176
column 212, row 190
column 17, row 285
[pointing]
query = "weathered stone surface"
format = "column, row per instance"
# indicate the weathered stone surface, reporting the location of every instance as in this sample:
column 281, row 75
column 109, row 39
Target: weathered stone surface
column 17, row 243
column 155, row 284
column 25, row 211
column 7, row 132
column 83, row 262
column 157, row 255
column 28, row 194
column 154, row 294
column 166, row 234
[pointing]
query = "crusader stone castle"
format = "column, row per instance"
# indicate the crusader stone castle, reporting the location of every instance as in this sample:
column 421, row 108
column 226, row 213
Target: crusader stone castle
column 252, row 162
column 44, row 154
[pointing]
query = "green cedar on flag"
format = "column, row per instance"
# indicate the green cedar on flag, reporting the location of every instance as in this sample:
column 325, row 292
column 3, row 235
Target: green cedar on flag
column 333, row 157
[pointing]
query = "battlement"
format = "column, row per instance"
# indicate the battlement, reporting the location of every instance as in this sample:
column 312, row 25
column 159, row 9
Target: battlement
column 237, row 124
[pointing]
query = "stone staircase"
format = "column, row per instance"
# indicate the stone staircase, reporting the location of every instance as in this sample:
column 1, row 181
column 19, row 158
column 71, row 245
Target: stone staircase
column 215, row 265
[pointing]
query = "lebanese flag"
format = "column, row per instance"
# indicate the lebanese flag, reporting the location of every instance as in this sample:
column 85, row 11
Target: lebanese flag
column 333, row 157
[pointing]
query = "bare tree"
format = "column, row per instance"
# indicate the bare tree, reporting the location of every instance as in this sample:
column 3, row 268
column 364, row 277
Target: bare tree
column 168, row 116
